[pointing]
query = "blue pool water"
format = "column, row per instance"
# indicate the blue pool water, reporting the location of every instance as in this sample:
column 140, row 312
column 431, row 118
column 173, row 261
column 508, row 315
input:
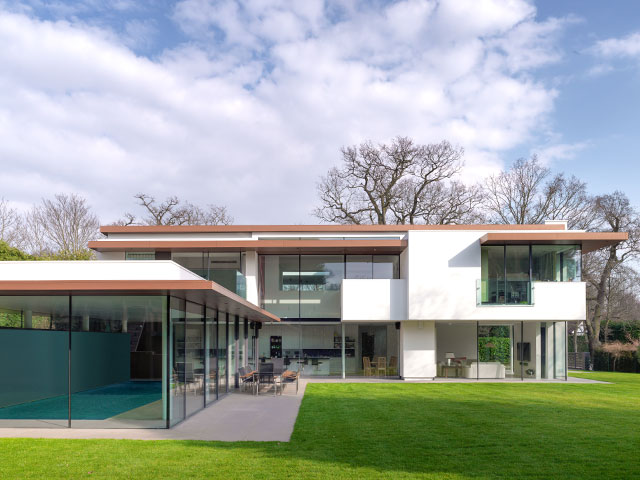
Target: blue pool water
column 95, row 404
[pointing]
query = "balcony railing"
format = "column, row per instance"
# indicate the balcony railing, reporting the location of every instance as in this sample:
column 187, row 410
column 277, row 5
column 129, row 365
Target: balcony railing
column 504, row 292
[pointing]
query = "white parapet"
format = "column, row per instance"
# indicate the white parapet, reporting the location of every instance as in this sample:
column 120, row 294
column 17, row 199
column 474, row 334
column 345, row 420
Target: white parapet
column 374, row 300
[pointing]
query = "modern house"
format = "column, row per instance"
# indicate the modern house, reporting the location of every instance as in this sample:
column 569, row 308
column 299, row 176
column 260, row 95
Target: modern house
column 157, row 327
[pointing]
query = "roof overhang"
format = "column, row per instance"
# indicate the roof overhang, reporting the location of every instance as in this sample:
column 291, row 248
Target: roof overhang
column 261, row 246
column 203, row 292
column 589, row 241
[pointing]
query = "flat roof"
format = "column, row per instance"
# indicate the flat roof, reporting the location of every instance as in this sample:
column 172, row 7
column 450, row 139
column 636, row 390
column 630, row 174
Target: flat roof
column 340, row 246
column 314, row 228
column 590, row 241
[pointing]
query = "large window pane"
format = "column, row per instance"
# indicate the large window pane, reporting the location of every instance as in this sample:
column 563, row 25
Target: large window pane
column 386, row 266
column 517, row 262
column 279, row 285
column 359, row 266
column 194, row 358
column 177, row 360
column 556, row 263
column 320, row 281
column 211, row 357
column 222, row 353
column 371, row 349
column 34, row 361
column 193, row 261
column 492, row 271
column 117, row 362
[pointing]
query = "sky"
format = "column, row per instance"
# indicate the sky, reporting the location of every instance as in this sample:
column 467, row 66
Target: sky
column 246, row 104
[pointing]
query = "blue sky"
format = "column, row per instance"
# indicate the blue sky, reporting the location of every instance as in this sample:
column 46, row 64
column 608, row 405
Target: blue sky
column 248, row 103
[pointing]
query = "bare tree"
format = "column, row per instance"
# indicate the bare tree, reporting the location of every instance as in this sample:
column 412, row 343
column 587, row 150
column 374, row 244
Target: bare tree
column 172, row 211
column 527, row 194
column 615, row 214
column 59, row 228
column 398, row 183
column 9, row 223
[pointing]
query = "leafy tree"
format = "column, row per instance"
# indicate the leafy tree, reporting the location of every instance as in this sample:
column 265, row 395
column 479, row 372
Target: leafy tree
column 8, row 253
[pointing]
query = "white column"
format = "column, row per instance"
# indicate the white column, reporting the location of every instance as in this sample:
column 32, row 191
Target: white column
column 343, row 351
column 28, row 323
column 418, row 349
column 251, row 274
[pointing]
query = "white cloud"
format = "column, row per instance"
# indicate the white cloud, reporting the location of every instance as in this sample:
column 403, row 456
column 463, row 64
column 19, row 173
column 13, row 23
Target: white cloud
column 561, row 151
column 256, row 106
column 625, row 47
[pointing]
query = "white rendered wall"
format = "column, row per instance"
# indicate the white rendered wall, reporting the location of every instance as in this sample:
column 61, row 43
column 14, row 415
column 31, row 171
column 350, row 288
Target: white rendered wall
column 458, row 338
column 374, row 300
column 96, row 270
column 251, row 274
column 443, row 269
column 418, row 349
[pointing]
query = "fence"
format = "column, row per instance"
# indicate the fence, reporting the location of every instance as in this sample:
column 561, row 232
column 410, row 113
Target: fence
column 579, row 360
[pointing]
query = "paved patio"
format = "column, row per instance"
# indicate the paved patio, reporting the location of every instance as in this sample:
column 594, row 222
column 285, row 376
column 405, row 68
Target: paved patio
column 236, row 417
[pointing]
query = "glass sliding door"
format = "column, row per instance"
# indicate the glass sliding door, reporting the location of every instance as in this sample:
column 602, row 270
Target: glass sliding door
column 279, row 285
column 222, row 353
column 194, row 358
column 34, row 361
column 118, row 359
column 211, row 357
column 517, row 271
column 177, row 389
column 495, row 351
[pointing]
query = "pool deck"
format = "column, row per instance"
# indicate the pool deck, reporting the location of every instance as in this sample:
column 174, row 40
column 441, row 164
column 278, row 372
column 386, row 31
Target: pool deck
column 235, row 417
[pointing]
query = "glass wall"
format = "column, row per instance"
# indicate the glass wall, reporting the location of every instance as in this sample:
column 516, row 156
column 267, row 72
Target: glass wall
column 211, row 356
column 556, row 263
column 222, row 353
column 372, row 266
column 517, row 272
column 320, row 281
column 177, row 361
column 224, row 268
column 194, row 358
column 316, row 349
column 308, row 286
column 493, row 275
column 517, row 350
column 117, row 362
column 114, row 346
column 34, row 361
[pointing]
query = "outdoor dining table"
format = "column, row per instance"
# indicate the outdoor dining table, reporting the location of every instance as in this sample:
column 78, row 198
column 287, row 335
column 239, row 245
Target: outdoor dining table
column 277, row 379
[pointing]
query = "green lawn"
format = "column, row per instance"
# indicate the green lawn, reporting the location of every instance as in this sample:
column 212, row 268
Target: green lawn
column 452, row 431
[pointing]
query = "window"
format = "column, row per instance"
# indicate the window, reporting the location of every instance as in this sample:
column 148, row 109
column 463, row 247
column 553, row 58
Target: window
column 556, row 263
column 140, row 256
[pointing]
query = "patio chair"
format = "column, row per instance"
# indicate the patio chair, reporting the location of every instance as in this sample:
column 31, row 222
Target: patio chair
column 381, row 366
column 266, row 376
column 278, row 365
column 290, row 377
column 368, row 368
column 246, row 376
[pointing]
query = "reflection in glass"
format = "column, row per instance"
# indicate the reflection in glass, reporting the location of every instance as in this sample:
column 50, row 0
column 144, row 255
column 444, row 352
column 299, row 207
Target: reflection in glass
column 386, row 266
column 35, row 343
column 177, row 360
column 556, row 263
column 495, row 351
column 194, row 358
column 279, row 285
column 222, row 353
column 211, row 357
column 117, row 361
column 492, row 270
column 320, row 281
column 517, row 266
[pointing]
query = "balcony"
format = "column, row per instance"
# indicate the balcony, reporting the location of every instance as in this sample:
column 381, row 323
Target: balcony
column 374, row 300
column 509, row 292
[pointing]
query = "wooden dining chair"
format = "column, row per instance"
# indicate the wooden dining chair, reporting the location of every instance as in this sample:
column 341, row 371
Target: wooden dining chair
column 368, row 369
column 393, row 366
column 381, row 366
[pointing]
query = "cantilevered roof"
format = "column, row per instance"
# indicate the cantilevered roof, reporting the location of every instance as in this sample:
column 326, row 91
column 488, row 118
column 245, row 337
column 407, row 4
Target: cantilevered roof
column 590, row 241
column 339, row 246
column 124, row 278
